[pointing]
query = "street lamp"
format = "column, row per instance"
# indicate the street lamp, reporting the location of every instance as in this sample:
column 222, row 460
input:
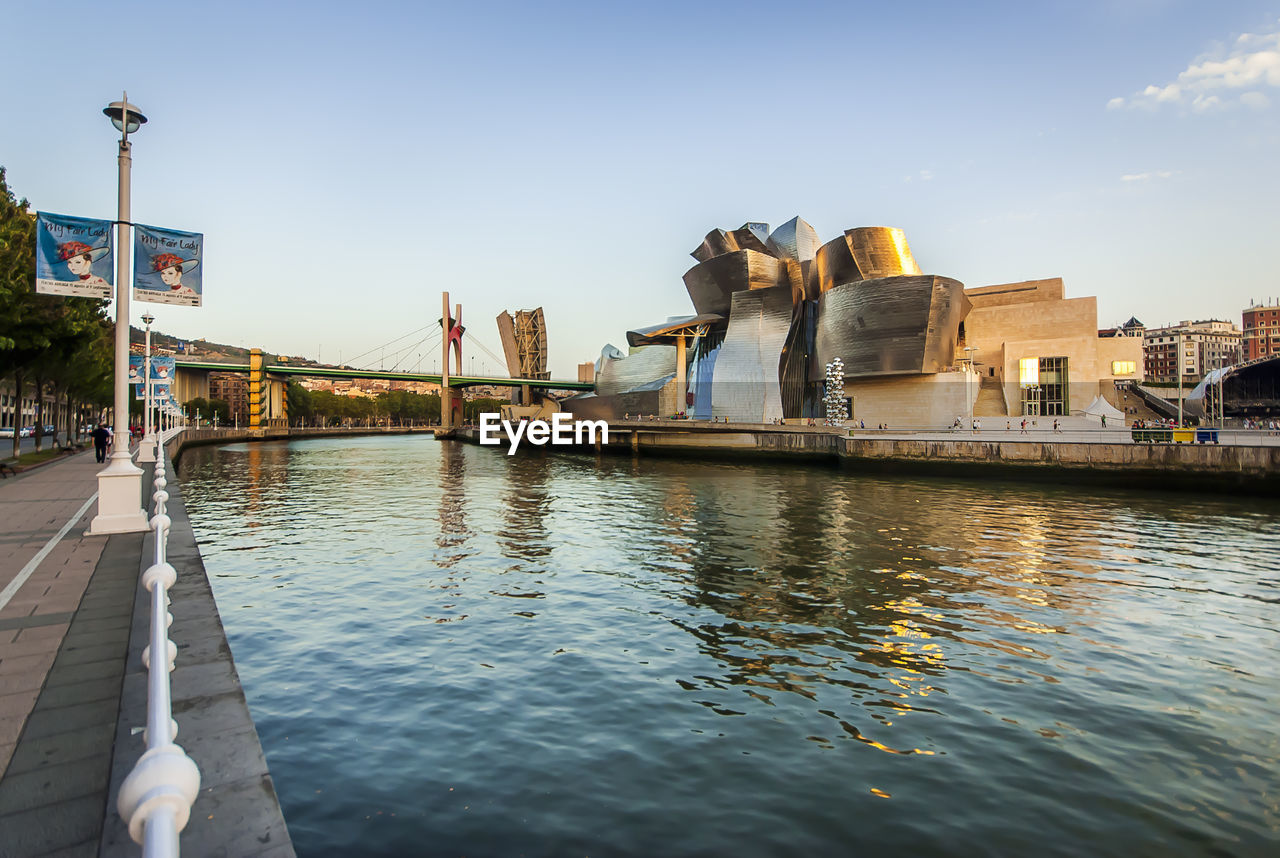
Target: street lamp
column 147, row 450
column 968, row 357
column 120, row 483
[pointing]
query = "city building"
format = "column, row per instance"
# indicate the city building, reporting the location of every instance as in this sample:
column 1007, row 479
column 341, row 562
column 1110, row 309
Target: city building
column 1205, row 346
column 15, row 415
column 773, row 309
column 233, row 389
column 1131, row 328
column 1261, row 330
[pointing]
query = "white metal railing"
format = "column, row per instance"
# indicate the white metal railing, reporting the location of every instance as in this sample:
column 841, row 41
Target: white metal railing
column 156, row 798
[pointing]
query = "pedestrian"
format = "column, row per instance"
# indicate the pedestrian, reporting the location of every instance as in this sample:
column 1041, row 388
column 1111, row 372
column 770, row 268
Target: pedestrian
column 1104, row 421
column 100, row 438
column 1024, row 426
column 1055, row 426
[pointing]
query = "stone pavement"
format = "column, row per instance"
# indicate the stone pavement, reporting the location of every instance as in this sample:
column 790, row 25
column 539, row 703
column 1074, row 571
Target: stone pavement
column 64, row 635
column 73, row 622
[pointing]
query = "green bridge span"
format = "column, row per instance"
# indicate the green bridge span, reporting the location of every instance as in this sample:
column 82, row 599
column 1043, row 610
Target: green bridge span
column 434, row 378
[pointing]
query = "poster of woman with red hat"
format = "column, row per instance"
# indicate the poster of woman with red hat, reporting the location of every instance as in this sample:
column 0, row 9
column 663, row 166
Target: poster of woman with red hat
column 166, row 266
column 73, row 256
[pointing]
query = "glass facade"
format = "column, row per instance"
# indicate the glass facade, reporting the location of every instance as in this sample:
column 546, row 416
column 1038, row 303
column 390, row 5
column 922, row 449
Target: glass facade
column 1050, row 395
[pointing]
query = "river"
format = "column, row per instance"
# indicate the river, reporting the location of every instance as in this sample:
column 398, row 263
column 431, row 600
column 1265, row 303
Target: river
column 449, row 651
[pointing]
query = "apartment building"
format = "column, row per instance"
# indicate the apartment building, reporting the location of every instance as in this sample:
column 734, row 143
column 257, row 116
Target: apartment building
column 1203, row 346
column 1261, row 325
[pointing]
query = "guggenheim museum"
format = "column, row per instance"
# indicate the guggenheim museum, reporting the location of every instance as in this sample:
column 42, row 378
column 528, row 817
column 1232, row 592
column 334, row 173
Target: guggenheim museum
column 772, row 308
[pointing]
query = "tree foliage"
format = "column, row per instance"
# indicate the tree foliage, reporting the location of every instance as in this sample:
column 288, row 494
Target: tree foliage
column 60, row 343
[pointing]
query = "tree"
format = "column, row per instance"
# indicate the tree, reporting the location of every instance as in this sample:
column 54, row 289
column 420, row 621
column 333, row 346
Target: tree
column 48, row 338
column 199, row 405
column 221, row 409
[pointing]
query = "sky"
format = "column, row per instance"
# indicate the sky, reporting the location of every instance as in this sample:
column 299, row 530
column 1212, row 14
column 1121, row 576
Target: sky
column 348, row 162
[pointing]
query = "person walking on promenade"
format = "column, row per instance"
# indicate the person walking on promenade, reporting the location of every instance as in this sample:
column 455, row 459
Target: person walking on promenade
column 1104, row 421
column 1055, row 426
column 1024, row 426
column 100, row 438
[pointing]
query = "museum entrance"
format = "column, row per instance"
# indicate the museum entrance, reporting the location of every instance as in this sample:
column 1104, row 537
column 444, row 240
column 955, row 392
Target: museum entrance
column 1049, row 395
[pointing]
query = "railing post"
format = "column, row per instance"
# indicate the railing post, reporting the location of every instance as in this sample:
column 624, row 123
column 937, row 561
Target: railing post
column 156, row 797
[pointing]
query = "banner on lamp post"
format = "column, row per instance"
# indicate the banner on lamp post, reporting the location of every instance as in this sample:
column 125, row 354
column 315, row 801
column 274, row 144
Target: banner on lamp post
column 166, row 266
column 73, row 256
column 136, row 369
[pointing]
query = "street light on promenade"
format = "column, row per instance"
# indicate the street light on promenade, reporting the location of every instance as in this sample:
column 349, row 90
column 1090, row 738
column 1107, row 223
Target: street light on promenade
column 147, row 450
column 120, row 483
column 968, row 357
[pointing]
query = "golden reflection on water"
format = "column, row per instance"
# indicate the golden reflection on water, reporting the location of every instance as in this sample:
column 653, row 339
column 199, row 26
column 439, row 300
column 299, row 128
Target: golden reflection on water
column 879, row 607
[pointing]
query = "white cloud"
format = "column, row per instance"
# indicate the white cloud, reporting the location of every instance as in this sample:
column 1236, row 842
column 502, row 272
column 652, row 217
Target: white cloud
column 1220, row 79
column 1145, row 177
column 1256, row 100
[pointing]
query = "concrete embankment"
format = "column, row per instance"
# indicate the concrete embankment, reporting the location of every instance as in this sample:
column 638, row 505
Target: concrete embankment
column 1113, row 460
column 226, row 435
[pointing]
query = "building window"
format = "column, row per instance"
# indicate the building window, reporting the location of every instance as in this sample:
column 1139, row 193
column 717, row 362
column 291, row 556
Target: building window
column 1123, row 367
column 1049, row 393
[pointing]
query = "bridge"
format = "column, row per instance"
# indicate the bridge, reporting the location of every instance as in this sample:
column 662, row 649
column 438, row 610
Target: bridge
column 266, row 384
column 343, row 372
column 267, row 401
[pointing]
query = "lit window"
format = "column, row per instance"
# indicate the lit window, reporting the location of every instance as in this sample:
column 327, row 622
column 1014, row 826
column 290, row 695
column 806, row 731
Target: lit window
column 1123, row 367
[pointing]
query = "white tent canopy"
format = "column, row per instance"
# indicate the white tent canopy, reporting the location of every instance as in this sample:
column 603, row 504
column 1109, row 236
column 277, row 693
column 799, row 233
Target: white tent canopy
column 1101, row 408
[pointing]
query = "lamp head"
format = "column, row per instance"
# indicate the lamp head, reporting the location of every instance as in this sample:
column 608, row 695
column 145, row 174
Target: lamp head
column 117, row 111
column 147, row 319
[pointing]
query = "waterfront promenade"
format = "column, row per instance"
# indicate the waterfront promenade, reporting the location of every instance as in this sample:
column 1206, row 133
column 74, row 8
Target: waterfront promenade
column 73, row 622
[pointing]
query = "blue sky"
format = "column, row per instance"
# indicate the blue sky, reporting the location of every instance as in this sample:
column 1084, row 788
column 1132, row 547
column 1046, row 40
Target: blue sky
column 348, row 162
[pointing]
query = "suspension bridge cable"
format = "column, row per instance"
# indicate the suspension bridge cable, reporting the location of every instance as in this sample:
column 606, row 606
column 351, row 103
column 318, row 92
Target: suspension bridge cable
column 389, row 342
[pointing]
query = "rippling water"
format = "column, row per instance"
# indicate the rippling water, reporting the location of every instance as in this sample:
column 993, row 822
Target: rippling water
column 452, row 652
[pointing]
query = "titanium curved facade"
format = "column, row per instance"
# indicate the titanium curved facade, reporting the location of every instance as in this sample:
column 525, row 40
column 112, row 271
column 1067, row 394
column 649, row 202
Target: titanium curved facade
column 864, row 253
column 745, row 387
column 774, row 307
column 643, row 366
column 712, row 283
column 890, row 325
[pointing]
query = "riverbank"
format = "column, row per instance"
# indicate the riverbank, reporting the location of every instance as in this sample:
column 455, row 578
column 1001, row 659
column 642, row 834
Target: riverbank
column 1106, row 457
column 73, row 690
column 202, row 437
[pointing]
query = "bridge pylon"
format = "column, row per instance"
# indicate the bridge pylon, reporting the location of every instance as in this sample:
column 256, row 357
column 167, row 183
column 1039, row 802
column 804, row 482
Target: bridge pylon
column 451, row 399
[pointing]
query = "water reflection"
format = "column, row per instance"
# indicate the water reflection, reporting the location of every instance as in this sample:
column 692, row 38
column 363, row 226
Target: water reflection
column 452, row 515
column 526, row 502
column 802, row 658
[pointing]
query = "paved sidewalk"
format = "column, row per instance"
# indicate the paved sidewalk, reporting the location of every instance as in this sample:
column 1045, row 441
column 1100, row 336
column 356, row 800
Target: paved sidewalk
column 73, row 691
column 34, row 507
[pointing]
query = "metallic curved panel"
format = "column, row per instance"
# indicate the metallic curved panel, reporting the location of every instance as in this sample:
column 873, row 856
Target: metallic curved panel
column 745, row 385
column 749, row 236
column 864, row 253
column 881, row 251
column 752, row 236
column 712, row 282
column 717, row 243
column 795, row 239
column 644, row 365
column 608, row 353
column 671, row 327
column 890, row 325
column 832, row 265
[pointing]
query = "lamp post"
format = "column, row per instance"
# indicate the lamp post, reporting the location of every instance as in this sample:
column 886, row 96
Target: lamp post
column 968, row 357
column 120, row 483
column 147, row 450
